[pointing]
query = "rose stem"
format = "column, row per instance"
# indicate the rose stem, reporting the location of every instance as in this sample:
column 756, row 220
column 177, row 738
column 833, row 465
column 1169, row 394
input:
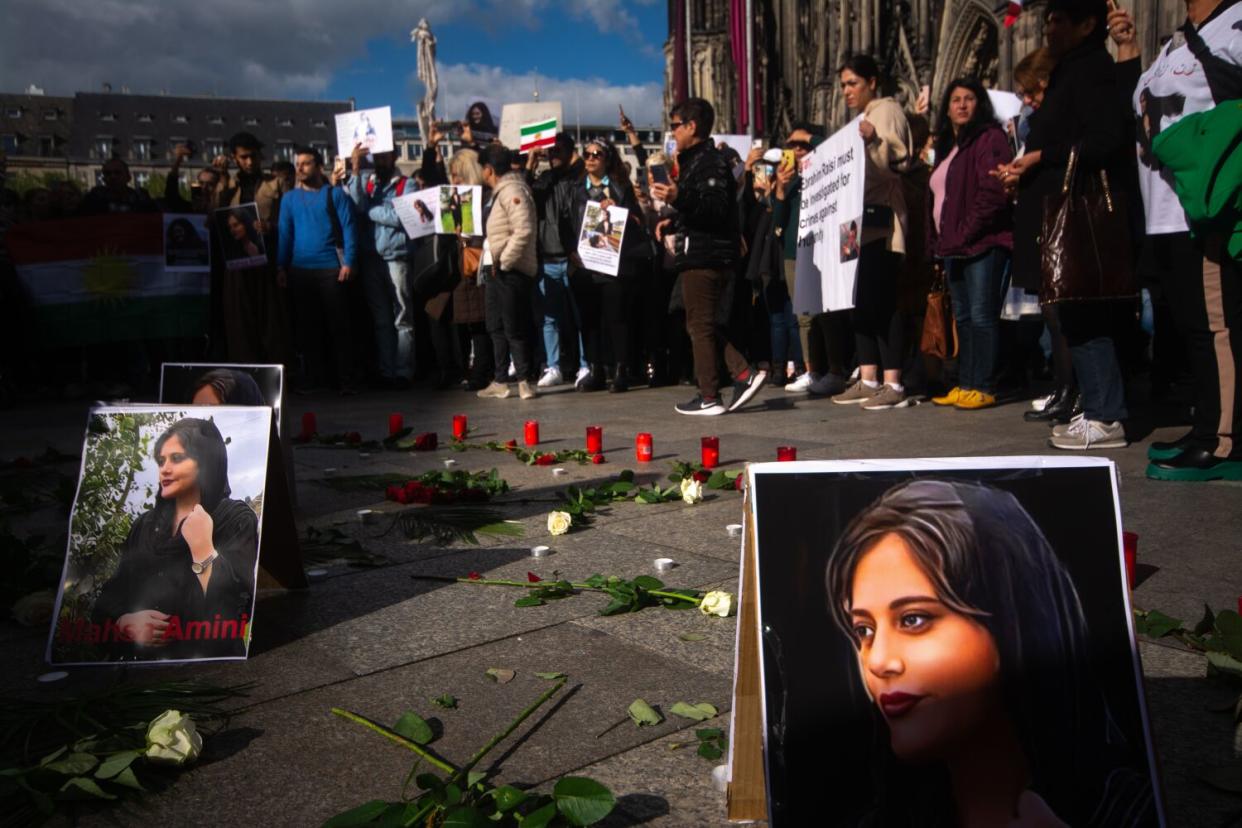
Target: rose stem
column 394, row 737
column 495, row 740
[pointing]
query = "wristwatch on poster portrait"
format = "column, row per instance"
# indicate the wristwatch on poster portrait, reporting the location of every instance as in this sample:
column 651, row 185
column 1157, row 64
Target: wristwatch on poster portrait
column 199, row 567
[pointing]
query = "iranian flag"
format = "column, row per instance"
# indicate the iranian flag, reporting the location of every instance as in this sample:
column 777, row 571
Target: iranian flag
column 539, row 134
column 102, row 279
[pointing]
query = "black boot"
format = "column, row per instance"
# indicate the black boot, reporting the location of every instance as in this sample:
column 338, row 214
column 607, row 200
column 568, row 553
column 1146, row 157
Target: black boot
column 1061, row 398
column 594, row 382
column 620, row 380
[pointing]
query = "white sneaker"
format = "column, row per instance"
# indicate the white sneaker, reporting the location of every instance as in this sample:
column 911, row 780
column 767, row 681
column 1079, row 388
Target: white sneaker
column 1040, row 403
column 1084, row 434
column 802, row 383
column 512, row 370
column 1062, row 429
column 583, row 373
column 551, row 376
column 827, row 384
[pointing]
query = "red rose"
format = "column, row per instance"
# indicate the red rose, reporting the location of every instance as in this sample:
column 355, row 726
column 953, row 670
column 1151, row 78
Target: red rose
column 393, row 492
column 545, row 460
column 353, row 438
column 533, row 578
column 474, row 576
column 511, row 445
column 598, row 459
column 702, row 476
column 739, row 482
column 427, row 441
column 422, row 494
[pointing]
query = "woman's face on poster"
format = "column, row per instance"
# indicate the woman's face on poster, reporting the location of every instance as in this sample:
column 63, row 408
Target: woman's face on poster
column 178, row 470
column 933, row 672
column 237, row 228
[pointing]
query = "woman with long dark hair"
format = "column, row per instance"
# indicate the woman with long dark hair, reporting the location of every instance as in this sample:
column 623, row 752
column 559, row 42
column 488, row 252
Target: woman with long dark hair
column 226, row 386
column 604, row 301
column 974, row 649
column 970, row 230
column 184, row 587
column 879, row 330
column 239, row 237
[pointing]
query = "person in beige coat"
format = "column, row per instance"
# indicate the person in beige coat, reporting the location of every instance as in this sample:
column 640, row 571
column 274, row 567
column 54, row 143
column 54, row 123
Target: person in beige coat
column 512, row 228
column 878, row 325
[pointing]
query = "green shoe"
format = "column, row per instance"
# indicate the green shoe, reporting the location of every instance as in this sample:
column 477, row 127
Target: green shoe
column 1167, row 451
column 1194, row 465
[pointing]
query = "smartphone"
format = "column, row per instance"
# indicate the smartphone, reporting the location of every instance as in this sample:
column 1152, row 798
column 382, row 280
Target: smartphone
column 757, row 143
column 763, row 174
column 788, row 161
column 658, row 173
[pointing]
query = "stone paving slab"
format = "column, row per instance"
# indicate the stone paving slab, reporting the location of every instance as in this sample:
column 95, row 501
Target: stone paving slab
column 302, row 765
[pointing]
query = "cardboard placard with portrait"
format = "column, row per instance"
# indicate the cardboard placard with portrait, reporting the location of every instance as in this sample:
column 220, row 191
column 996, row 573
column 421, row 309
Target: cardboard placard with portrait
column 241, row 241
column 218, row 383
column 164, row 535
column 948, row 641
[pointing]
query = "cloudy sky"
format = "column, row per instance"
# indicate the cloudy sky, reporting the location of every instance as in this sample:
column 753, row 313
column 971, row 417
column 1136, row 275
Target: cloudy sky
column 590, row 54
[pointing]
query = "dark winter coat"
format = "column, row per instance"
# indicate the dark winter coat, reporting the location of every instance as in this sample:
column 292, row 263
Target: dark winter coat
column 976, row 215
column 706, row 204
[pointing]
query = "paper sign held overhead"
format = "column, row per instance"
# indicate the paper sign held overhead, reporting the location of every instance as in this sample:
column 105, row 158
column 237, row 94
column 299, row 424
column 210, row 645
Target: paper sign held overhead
column 539, row 134
column 516, row 115
column 370, row 127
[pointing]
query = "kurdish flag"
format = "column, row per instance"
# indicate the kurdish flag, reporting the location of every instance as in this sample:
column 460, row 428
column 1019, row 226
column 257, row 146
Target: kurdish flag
column 538, row 134
column 102, row 279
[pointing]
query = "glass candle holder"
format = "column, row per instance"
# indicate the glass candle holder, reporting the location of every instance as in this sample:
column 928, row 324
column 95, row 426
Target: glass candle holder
column 1129, row 547
column 460, row 427
column 710, row 448
column 395, row 423
column 644, row 447
column 786, row 454
column 530, row 433
column 594, row 439
column 309, row 426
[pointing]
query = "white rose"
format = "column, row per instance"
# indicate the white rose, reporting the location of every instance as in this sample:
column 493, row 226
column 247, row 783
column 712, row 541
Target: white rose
column 717, row 603
column 691, row 490
column 173, row 739
column 559, row 522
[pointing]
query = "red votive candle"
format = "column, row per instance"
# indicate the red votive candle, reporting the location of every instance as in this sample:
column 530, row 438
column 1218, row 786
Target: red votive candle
column 309, row 426
column 1129, row 546
column 530, row 433
column 644, row 448
column 786, row 454
column 459, row 427
column 594, row 439
column 711, row 452
column 395, row 423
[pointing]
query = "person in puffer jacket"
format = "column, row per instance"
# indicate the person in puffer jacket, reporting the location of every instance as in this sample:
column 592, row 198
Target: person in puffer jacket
column 512, row 228
column 708, row 246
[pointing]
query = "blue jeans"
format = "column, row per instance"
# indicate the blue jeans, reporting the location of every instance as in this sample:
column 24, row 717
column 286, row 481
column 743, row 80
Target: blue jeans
column 978, row 286
column 553, row 303
column 1099, row 378
column 388, row 295
column 786, row 342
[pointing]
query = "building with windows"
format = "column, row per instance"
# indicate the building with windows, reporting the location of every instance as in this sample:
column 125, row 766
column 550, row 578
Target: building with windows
column 74, row 136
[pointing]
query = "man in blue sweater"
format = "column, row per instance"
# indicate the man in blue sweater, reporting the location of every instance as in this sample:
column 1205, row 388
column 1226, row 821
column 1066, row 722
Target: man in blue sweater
column 316, row 257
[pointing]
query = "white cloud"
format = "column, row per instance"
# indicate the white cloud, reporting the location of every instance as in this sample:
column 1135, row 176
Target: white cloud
column 277, row 48
column 593, row 100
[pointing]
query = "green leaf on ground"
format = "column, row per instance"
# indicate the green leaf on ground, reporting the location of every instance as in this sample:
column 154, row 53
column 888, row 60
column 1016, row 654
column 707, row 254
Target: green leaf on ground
column 529, row 601
column 128, row 779
column 80, row 787
column 500, row 675
column 700, row 712
column 550, row 676
column 1224, row 663
column 448, row 701
column 1158, row 625
column 116, row 763
column 541, row 817
column 508, row 797
column 644, row 714
column 709, row 751
column 73, row 764
column 692, row 637
column 413, row 727
column 582, row 801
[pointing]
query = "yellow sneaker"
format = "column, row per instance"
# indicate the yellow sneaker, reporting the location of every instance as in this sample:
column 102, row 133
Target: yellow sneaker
column 950, row 398
column 974, row 400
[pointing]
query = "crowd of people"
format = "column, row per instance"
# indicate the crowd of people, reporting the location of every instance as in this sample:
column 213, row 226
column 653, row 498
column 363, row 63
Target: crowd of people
column 707, row 267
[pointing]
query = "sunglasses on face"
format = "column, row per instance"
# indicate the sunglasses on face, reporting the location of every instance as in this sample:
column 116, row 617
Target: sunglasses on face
column 674, row 125
column 795, row 145
column 593, row 154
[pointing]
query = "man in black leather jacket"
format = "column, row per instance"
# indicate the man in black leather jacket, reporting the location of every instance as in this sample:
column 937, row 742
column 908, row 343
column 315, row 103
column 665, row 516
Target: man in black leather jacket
column 708, row 247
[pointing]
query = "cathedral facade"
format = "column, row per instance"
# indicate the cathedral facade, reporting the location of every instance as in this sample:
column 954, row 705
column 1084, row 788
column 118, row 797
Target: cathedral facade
column 797, row 46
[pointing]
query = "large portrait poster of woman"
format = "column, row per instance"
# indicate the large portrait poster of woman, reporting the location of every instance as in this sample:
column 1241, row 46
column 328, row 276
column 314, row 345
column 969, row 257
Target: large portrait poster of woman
column 948, row 642
column 164, row 536
column 207, row 383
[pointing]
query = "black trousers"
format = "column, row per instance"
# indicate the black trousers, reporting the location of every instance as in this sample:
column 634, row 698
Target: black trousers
column 322, row 305
column 879, row 333
column 507, row 305
column 604, row 305
column 1204, row 288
